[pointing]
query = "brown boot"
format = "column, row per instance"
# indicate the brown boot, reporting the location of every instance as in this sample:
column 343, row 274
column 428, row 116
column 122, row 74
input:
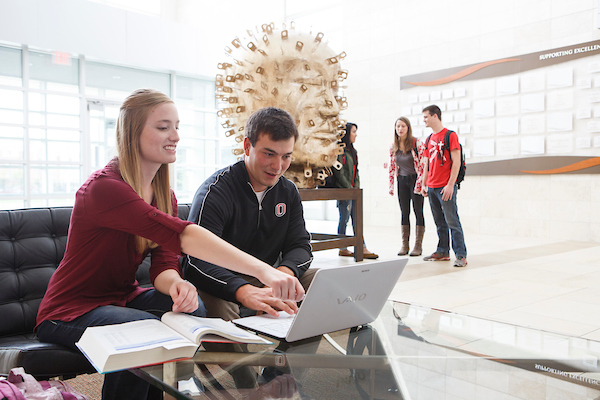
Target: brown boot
column 418, row 249
column 405, row 236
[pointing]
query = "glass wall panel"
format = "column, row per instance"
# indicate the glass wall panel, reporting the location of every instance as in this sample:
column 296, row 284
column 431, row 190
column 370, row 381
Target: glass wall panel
column 53, row 179
column 197, row 152
column 9, row 204
column 12, row 143
column 60, row 201
column 115, row 82
column 46, row 73
column 43, row 159
column 54, row 145
column 11, row 149
column 38, row 179
column 54, row 110
column 102, row 122
column 195, row 93
column 10, row 67
column 211, row 129
column 11, row 99
column 188, row 179
column 12, row 180
column 11, row 116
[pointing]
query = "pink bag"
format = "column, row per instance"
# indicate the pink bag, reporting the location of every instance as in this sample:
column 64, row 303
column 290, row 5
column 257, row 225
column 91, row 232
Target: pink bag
column 31, row 389
column 9, row 391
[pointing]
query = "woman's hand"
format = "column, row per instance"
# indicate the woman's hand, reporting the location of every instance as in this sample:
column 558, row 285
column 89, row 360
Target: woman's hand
column 284, row 286
column 184, row 295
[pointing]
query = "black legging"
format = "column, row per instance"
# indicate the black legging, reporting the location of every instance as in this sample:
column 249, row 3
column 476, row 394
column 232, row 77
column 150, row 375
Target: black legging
column 406, row 193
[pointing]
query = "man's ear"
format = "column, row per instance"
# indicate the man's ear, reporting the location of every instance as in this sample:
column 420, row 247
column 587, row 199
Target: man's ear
column 247, row 145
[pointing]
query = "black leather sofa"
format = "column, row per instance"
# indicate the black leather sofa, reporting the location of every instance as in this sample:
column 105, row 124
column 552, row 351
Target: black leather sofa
column 32, row 243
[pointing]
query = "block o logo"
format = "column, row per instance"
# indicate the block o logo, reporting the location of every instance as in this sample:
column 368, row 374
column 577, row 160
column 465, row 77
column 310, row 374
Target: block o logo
column 280, row 209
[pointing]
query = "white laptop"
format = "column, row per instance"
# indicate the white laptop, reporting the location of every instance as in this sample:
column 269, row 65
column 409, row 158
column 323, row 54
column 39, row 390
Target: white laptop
column 338, row 298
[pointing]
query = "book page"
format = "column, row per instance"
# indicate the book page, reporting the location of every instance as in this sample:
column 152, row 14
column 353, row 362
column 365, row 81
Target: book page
column 133, row 344
column 194, row 328
column 139, row 335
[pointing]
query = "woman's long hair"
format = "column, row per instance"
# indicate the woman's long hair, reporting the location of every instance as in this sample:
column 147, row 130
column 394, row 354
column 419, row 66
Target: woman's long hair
column 350, row 145
column 133, row 115
column 408, row 140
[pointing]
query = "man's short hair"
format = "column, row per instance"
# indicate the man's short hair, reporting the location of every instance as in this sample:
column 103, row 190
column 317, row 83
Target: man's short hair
column 278, row 124
column 433, row 109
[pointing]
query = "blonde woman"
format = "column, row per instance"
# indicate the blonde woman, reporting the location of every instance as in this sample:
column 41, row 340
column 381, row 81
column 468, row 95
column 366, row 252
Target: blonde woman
column 406, row 165
column 122, row 213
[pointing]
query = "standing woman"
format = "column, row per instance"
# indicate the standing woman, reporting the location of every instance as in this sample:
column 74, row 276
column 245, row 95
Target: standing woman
column 122, row 213
column 406, row 164
column 347, row 177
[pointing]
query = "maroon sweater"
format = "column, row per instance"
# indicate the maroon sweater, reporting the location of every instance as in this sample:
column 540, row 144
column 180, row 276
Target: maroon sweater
column 101, row 260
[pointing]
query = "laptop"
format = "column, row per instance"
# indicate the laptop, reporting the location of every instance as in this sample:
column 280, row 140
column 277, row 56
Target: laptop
column 338, row 298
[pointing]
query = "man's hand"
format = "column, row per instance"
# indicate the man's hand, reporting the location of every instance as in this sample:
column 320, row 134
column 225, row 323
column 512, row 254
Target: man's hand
column 424, row 191
column 184, row 295
column 447, row 192
column 262, row 299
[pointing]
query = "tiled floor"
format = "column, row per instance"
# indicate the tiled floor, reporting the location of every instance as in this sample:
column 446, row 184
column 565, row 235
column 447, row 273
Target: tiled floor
column 539, row 283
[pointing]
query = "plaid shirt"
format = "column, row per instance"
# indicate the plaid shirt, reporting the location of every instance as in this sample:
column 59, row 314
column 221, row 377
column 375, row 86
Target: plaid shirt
column 419, row 166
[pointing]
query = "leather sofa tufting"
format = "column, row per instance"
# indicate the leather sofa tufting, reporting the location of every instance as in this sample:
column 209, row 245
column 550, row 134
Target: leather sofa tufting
column 32, row 243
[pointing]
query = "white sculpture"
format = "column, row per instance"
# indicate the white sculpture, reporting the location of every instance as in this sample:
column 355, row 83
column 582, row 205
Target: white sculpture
column 298, row 73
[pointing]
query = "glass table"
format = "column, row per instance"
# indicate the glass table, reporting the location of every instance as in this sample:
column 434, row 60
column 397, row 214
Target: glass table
column 408, row 352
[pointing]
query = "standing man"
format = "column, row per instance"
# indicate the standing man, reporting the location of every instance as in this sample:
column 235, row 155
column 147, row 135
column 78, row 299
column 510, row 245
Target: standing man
column 252, row 206
column 439, row 184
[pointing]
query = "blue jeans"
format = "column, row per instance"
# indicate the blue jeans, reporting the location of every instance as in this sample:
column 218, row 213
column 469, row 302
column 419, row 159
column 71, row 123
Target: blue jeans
column 347, row 209
column 117, row 385
column 445, row 215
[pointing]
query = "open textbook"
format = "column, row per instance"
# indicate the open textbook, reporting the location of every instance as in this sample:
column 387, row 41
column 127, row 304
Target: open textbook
column 134, row 344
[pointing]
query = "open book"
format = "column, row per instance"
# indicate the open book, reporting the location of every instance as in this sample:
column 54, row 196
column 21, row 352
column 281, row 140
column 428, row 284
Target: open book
column 139, row 343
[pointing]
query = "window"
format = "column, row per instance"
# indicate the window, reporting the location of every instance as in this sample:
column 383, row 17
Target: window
column 10, row 67
column 55, row 130
column 198, row 150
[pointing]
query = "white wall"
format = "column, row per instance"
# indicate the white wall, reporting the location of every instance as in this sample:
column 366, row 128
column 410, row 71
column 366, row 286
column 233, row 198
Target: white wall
column 109, row 34
column 387, row 39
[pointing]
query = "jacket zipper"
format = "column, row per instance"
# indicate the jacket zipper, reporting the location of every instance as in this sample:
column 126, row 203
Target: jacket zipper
column 260, row 202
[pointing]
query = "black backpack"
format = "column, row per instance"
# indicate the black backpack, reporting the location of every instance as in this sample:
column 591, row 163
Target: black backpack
column 463, row 166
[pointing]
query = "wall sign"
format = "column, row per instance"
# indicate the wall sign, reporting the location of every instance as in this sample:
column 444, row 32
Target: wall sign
column 537, row 113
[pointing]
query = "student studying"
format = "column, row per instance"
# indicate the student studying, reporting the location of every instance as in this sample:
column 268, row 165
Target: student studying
column 122, row 213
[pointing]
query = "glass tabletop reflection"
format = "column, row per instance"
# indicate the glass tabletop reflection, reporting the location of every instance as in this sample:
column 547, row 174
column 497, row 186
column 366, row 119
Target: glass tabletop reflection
column 408, row 352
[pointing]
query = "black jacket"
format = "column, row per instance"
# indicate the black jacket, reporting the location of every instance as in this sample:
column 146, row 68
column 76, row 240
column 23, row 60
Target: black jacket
column 226, row 205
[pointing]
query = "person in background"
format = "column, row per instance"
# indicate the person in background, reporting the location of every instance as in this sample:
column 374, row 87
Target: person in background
column 121, row 214
column 406, row 165
column 347, row 178
column 439, row 183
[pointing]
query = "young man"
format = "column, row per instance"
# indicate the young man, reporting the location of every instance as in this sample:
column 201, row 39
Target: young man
column 252, row 206
column 439, row 184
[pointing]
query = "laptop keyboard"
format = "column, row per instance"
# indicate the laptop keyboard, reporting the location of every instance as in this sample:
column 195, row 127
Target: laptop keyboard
column 275, row 327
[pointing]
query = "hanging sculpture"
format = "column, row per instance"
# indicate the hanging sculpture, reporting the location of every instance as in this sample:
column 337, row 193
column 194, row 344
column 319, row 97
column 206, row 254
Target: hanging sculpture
column 298, row 73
